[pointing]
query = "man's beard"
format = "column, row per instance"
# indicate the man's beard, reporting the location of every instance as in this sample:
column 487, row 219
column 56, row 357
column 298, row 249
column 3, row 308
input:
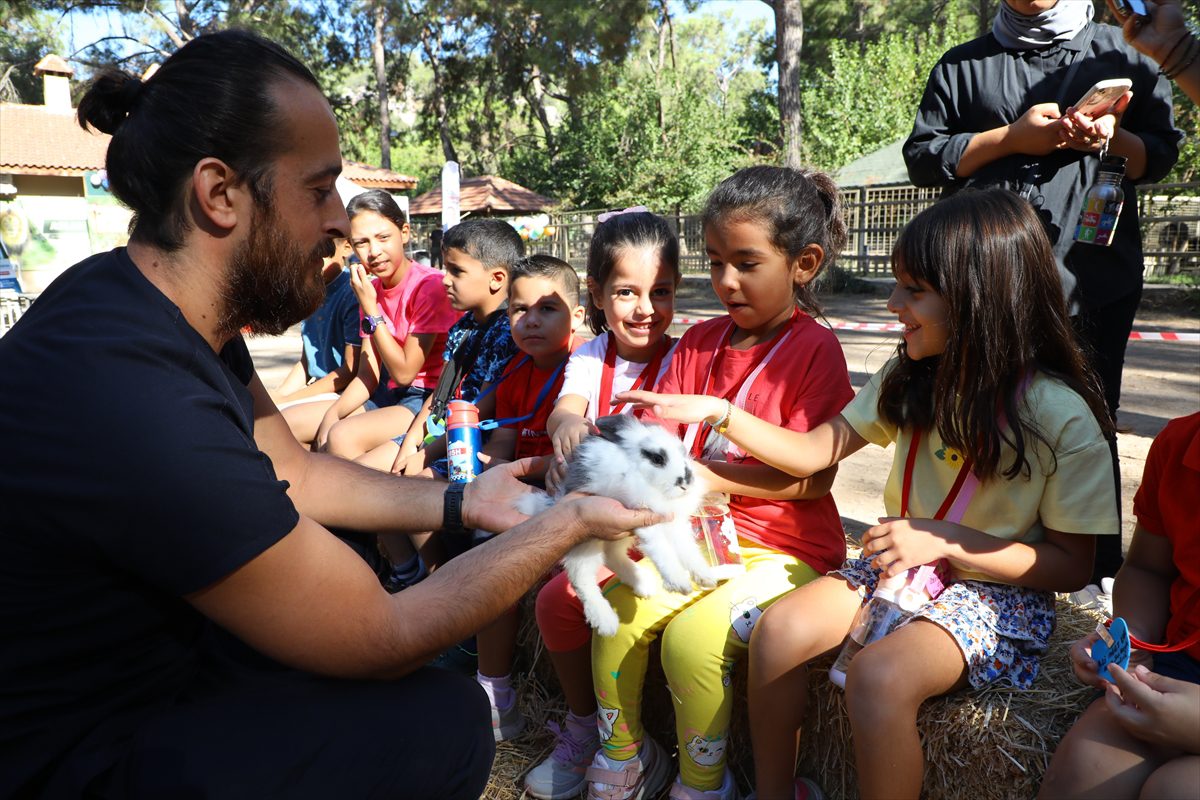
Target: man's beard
column 272, row 282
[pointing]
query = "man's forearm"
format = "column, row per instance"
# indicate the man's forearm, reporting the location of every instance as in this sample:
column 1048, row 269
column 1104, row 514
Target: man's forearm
column 341, row 494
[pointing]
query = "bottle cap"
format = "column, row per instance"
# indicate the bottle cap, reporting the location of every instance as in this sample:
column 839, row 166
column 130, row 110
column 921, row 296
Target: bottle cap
column 1113, row 164
column 461, row 413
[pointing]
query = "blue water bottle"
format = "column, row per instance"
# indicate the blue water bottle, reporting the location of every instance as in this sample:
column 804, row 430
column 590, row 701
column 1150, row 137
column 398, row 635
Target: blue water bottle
column 463, row 441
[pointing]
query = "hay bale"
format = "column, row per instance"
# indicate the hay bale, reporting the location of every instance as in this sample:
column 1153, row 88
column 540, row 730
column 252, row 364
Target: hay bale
column 991, row 744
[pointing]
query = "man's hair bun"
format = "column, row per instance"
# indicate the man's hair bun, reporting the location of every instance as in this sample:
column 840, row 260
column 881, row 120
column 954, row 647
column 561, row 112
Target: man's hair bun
column 109, row 100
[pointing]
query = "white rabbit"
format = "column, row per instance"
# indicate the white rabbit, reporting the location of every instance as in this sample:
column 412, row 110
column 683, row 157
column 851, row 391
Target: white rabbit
column 642, row 466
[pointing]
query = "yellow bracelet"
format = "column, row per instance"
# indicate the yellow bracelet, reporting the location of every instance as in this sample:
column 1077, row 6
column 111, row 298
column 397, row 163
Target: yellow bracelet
column 723, row 423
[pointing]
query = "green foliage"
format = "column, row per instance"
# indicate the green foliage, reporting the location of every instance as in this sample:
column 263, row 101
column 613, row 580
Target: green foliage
column 868, row 96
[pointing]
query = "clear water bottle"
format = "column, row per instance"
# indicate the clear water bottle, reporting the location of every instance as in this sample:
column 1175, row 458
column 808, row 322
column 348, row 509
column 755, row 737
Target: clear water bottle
column 1102, row 205
column 463, row 441
column 875, row 619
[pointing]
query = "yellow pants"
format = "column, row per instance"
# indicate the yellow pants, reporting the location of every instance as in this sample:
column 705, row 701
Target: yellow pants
column 704, row 634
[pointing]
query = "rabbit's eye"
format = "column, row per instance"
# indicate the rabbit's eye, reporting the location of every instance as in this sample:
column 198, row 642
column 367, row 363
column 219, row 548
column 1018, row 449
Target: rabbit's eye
column 656, row 457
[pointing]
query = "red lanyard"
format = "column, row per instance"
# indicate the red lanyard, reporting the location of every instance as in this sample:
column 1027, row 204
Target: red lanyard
column 1187, row 643
column 909, row 464
column 604, row 402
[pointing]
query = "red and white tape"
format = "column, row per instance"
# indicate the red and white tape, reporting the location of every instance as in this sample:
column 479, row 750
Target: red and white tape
column 896, row 327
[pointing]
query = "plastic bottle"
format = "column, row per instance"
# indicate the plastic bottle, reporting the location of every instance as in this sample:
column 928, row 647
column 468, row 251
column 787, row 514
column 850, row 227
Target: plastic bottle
column 1102, row 204
column 716, row 536
column 895, row 600
column 463, row 441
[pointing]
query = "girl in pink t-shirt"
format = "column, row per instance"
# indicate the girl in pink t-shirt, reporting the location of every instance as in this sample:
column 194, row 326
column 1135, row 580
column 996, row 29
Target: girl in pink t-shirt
column 405, row 317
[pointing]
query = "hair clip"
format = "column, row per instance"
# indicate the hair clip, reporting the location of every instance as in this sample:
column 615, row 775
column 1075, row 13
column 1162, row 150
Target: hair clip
column 607, row 215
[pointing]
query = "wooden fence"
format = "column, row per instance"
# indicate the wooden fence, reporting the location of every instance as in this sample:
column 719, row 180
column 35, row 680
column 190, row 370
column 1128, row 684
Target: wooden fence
column 1170, row 220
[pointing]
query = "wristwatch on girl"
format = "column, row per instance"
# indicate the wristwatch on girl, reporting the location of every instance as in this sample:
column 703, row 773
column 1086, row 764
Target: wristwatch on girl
column 370, row 323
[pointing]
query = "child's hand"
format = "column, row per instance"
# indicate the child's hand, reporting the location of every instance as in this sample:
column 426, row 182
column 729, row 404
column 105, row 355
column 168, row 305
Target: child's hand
column 321, row 441
column 364, row 290
column 1155, row 708
column 555, row 474
column 898, row 543
column 408, row 448
column 686, row 408
column 569, row 434
column 1082, row 664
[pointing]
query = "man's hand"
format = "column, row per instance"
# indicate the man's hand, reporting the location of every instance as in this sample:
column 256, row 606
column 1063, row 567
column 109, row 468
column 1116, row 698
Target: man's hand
column 1155, row 708
column 605, row 518
column 1036, row 132
column 490, row 501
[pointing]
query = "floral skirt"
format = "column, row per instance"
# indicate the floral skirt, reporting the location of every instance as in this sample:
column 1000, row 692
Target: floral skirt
column 1002, row 630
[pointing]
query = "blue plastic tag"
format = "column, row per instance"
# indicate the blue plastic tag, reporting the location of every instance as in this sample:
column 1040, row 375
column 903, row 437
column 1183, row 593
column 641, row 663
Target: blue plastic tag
column 1111, row 648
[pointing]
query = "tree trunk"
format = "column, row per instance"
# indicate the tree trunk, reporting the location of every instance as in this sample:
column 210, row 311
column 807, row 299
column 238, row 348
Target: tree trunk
column 789, row 40
column 432, row 50
column 986, row 12
column 381, row 86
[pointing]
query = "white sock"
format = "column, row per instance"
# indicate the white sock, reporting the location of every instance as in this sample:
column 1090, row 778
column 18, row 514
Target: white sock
column 499, row 690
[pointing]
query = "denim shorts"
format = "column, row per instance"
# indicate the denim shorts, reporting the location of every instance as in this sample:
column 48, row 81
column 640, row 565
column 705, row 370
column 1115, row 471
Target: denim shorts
column 410, row 397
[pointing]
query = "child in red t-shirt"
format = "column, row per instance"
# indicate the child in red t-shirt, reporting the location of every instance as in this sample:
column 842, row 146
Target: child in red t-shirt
column 1142, row 738
column 544, row 313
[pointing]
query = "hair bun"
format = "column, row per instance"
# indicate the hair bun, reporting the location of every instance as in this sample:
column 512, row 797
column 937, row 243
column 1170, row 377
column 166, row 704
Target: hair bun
column 109, row 100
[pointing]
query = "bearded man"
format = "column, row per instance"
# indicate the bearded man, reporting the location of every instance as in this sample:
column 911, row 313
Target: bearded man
column 177, row 619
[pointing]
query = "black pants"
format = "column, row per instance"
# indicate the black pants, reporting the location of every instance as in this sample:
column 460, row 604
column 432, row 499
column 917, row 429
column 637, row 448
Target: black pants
column 1104, row 334
column 293, row 735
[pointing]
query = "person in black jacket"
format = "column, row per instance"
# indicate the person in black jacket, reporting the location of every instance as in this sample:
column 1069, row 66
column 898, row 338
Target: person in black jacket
column 997, row 112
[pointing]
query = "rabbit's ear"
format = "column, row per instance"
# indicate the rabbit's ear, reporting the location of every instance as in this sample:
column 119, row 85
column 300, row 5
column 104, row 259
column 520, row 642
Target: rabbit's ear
column 615, row 427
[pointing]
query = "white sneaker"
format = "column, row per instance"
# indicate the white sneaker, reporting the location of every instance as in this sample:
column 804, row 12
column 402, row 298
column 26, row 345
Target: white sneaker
column 728, row 790
column 564, row 773
column 643, row 776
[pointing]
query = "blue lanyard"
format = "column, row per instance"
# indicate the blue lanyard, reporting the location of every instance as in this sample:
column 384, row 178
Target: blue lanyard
column 489, row 424
column 438, row 428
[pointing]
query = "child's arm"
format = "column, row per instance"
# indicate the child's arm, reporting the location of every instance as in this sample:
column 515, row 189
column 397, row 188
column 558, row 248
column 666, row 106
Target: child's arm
column 334, row 381
column 1141, row 595
column 796, row 453
column 766, row 482
column 355, row 394
column 567, row 424
column 414, row 437
column 1062, row 562
column 403, row 361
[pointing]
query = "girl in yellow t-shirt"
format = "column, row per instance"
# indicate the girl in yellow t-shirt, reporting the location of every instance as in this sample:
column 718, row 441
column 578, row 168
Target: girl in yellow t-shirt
column 1010, row 509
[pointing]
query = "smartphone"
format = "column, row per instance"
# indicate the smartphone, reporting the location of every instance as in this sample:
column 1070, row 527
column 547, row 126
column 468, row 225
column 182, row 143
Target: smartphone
column 1100, row 98
column 1135, row 7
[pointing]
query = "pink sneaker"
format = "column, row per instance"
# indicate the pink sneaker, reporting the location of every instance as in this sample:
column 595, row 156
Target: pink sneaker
column 643, row 776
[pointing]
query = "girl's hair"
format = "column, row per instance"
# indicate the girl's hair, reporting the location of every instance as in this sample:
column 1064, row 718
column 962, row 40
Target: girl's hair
column 217, row 96
column 798, row 207
column 629, row 231
column 378, row 201
column 987, row 256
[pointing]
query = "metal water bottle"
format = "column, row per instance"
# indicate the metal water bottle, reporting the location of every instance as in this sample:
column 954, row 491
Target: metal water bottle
column 1102, row 205
column 463, row 441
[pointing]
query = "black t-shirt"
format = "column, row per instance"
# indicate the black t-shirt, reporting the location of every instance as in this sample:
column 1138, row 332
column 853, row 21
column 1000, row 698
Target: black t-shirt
column 129, row 477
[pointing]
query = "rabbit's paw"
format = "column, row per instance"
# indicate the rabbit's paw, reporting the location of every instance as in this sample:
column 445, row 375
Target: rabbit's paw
column 680, row 583
column 604, row 620
column 640, row 582
column 705, row 578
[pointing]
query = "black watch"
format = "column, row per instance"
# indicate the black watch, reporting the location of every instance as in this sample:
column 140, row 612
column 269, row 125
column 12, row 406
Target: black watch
column 370, row 323
column 452, row 507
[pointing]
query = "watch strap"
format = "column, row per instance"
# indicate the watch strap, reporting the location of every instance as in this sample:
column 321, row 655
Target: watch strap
column 452, row 507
